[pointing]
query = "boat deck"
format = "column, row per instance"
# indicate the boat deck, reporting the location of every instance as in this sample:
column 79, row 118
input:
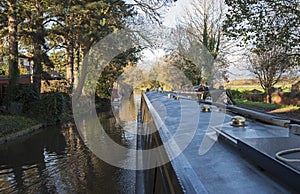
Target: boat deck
column 220, row 158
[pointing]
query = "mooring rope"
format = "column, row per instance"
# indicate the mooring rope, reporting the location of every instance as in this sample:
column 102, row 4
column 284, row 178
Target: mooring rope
column 284, row 152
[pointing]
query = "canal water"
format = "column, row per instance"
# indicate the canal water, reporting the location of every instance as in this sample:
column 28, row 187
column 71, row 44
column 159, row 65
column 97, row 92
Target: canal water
column 56, row 160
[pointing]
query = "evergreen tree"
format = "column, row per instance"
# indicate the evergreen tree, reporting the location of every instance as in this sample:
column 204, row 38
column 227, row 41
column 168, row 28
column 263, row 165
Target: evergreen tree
column 34, row 32
column 9, row 16
column 81, row 24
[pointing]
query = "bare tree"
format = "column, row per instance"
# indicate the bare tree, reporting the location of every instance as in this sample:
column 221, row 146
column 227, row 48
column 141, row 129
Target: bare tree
column 149, row 10
column 203, row 23
column 269, row 65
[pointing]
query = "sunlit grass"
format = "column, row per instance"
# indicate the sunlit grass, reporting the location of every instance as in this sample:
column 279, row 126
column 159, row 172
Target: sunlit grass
column 251, row 87
column 266, row 105
column 251, row 84
column 290, row 108
column 244, row 89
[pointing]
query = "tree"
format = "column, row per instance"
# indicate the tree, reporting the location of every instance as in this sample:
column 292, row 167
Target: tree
column 73, row 26
column 59, row 60
column 202, row 25
column 79, row 25
column 269, row 65
column 150, row 9
column 110, row 17
column 165, row 73
column 185, row 65
column 204, row 22
column 195, row 55
column 34, row 35
column 271, row 29
column 9, row 16
column 113, row 71
column 265, row 22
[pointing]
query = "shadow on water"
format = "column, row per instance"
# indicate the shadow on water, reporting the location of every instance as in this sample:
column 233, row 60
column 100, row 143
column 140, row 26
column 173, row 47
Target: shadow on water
column 57, row 161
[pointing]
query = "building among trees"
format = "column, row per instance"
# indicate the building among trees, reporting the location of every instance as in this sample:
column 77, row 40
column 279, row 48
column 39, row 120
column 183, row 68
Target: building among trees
column 25, row 69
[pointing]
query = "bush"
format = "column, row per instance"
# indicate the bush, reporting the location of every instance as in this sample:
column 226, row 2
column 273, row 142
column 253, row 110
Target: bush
column 61, row 85
column 26, row 95
column 54, row 104
column 51, row 108
column 235, row 94
column 247, row 95
column 261, row 97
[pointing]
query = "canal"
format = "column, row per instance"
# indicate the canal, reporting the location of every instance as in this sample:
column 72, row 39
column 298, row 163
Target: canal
column 56, row 160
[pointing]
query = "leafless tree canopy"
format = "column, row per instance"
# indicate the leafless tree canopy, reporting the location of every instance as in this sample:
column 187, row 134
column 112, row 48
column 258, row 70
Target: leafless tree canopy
column 269, row 66
column 202, row 25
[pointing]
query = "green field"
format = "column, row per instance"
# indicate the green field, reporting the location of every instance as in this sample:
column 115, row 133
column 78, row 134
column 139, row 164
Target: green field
column 251, row 84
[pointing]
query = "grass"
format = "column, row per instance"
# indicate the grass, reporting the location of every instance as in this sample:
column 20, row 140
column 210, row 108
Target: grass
column 265, row 105
column 245, row 89
column 10, row 124
column 250, row 84
column 251, row 87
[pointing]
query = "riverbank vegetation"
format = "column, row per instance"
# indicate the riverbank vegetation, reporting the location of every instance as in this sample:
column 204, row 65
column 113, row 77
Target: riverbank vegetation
column 265, row 106
column 12, row 123
column 287, row 111
column 48, row 41
column 55, row 38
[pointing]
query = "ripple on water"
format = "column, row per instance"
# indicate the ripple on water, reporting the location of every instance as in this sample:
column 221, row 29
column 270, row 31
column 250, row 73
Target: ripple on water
column 57, row 161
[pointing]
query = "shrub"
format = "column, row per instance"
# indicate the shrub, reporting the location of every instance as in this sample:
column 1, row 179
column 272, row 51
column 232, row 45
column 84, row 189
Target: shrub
column 51, row 108
column 12, row 123
column 26, row 94
column 260, row 97
column 235, row 94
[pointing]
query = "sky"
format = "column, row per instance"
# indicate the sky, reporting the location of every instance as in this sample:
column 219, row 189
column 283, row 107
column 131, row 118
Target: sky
column 171, row 18
column 176, row 13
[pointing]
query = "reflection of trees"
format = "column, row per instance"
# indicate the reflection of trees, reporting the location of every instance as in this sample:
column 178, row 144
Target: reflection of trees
column 57, row 161
column 127, row 110
column 107, row 120
column 27, row 159
column 112, row 124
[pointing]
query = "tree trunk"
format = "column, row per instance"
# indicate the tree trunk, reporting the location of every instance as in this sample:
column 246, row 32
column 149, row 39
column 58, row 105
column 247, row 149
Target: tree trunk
column 38, row 39
column 269, row 95
column 205, row 33
column 70, row 64
column 37, row 69
column 12, row 53
column 76, row 69
column 79, row 90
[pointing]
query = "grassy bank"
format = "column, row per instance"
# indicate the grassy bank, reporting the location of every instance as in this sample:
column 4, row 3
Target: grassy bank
column 14, row 125
column 284, row 111
column 258, row 104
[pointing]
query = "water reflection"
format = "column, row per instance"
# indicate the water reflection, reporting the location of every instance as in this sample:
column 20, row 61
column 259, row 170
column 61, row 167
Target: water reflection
column 111, row 145
column 57, row 161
